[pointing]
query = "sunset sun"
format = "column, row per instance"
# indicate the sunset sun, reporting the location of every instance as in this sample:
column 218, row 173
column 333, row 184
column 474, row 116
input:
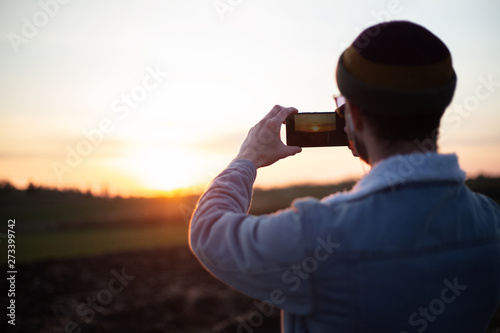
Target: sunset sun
column 165, row 170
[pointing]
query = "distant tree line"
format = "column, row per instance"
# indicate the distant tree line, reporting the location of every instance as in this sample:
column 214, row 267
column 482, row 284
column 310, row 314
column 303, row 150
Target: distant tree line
column 9, row 192
column 489, row 186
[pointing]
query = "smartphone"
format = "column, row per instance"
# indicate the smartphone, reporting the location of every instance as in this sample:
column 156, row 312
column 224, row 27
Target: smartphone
column 315, row 129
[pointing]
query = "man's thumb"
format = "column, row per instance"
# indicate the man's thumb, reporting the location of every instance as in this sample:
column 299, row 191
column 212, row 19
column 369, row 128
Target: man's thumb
column 292, row 150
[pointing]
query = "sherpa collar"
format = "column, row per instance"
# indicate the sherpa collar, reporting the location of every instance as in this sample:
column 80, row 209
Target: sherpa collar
column 401, row 169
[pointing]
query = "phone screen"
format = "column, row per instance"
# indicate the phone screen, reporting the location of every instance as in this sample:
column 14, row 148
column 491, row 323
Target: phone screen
column 315, row 122
column 315, row 129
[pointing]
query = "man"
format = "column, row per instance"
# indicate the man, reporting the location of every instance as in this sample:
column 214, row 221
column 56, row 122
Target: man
column 409, row 249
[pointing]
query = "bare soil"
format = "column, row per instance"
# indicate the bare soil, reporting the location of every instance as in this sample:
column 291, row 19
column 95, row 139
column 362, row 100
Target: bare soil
column 162, row 290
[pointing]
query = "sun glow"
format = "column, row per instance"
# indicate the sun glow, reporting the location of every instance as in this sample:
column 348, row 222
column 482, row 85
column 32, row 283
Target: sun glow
column 165, row 170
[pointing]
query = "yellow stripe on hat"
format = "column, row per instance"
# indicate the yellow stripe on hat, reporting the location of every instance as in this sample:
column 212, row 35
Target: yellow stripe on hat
column 397, row 76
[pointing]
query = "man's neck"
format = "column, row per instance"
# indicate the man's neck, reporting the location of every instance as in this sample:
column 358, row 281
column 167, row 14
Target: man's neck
column 378, row 151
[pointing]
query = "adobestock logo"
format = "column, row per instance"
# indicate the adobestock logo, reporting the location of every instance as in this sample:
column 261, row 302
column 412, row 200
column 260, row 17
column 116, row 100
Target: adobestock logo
column 48, row 9
column 394, row 7
column 486, row 87
column 437, row 306
column 221, row 7
column 309, row 265
column 95, row 136
column 87, row 311
column 293, row 278
column 453, row 117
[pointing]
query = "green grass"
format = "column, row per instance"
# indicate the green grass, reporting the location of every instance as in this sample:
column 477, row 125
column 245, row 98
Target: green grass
column 85, row 225
column 70, row 244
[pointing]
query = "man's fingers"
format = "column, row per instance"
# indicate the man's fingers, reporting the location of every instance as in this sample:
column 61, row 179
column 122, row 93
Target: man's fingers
column 294, row 150
column 284, row 113
column 274, row 111
column 291, row 150
column 263, row 145
column 280, row 112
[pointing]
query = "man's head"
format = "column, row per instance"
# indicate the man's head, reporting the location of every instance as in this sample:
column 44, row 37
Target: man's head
column 398, row 79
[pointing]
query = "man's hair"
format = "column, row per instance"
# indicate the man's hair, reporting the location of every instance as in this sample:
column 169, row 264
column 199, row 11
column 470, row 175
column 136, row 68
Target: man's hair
column 393, row 129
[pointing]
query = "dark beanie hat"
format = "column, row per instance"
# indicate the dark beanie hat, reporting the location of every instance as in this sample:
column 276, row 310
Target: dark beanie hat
column 397, row 68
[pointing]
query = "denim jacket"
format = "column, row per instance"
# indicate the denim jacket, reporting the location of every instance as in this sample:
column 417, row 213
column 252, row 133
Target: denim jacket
column 409, row 249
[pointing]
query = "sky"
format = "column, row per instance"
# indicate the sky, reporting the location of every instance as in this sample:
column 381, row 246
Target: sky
column 143, row 97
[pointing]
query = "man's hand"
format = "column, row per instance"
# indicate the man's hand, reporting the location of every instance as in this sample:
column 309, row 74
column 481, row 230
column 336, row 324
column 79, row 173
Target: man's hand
column 263, row 145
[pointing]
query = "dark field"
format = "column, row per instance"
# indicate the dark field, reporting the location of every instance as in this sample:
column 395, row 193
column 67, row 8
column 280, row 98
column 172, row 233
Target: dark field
column 164, row 290
column 88, row 264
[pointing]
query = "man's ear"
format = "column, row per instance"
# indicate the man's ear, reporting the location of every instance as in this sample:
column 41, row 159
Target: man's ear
column 356, row 116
